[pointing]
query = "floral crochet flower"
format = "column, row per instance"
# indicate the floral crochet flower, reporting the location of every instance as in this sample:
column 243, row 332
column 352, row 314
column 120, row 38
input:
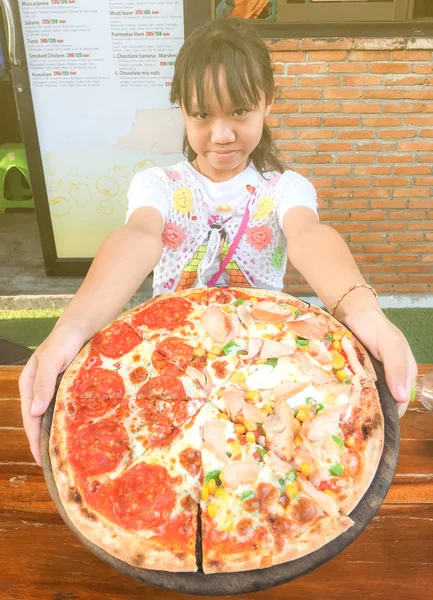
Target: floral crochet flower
column 183, row 200
column 174, row 175
column 173, row 236
column 264, row 208
column 277, row 259
column 259, row 237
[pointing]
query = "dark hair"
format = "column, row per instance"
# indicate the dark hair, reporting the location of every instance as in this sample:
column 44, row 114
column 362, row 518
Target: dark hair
column 234, row 45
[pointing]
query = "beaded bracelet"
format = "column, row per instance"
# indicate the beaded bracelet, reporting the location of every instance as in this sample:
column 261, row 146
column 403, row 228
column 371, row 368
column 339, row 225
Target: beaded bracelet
column 344, row 294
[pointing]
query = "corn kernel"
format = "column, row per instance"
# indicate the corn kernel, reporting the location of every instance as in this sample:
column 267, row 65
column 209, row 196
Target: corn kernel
column 279, row 325
column 212, row 486
column 205, row 491
column 228, row 527
column 199, row 352
column 291, row 490
column 238, row 377
column 261, row 361
column 236, row 448
column 298, row 441
column 348, row 334
column 303, row 414
column 223, row 416
column 211, row 356
column 221, row 494
column 240, row 429
column 251, row 395
column 342, row 375
column 330, row 493
column 212, row 510
column 306, row 469
column 293, row 308
column 296, row 426
column 260, row 326
column 226, row 308
column 336, row 345
column 330, row 399
column 253, row 300
column 350, row 441
column 337, row 336
column 216, row 350
column 250, row 425
column 220, row 393
column 338, row 362
column 268, row 336
column 268, row 408
column 251, row 438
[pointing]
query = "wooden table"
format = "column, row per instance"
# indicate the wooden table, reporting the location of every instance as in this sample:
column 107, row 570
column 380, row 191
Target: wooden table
column 40, row 559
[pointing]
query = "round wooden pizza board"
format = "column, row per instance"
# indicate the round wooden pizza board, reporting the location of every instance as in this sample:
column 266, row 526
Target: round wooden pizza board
column 261, row 579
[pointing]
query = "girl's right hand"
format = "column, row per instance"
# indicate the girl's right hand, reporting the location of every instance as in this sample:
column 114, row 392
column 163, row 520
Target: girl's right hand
column 38, row 378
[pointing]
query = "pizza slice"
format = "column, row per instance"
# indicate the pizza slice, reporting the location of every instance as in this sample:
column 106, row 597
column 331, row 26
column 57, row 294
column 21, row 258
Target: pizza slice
column 258, row 508
column 143, row 510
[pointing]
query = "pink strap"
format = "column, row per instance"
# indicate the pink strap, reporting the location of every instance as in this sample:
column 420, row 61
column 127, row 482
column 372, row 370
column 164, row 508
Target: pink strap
column 212, row 281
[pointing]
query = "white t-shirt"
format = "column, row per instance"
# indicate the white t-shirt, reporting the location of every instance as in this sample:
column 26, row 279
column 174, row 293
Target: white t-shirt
column 222, row 201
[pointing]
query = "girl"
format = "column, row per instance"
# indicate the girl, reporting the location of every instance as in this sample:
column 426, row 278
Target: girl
column 228, row 215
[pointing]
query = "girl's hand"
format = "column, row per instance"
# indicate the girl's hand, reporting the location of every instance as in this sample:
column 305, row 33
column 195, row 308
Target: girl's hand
column 38, row 379
column 386, row 343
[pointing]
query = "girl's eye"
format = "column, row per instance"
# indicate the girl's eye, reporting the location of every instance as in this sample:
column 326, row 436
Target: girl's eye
column 201, row 116
column 240, row 110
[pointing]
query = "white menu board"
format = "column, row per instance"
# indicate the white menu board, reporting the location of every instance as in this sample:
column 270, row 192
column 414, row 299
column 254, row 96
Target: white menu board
column 100, row 74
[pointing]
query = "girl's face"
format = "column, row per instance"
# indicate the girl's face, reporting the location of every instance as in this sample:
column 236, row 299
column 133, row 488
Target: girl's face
column 224, row 136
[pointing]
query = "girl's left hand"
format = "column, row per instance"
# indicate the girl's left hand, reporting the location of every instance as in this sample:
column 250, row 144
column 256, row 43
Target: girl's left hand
column 387, row 343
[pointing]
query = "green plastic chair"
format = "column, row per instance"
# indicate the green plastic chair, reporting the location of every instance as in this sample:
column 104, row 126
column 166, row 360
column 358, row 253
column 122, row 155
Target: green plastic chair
column 15, row 190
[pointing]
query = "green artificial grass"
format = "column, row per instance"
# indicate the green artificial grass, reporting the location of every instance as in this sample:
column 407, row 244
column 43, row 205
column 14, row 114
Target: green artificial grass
column 31, row 327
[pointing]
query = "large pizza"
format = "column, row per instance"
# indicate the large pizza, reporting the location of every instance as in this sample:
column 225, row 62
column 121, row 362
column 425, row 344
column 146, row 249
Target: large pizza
column 246, row 419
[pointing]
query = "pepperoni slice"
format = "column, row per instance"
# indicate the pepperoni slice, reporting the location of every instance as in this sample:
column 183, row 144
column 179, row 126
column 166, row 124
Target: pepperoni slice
column 115, row 341
column 99, row 383
column 144, row 497
column 97, row 391
column 164, row 404
column 178, row 351
column 98, row 447
column 165, row 314
column 190, row 459
column 164, row 366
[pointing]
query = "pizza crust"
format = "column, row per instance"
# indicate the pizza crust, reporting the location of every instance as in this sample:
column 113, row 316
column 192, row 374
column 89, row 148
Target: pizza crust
column 372, row 453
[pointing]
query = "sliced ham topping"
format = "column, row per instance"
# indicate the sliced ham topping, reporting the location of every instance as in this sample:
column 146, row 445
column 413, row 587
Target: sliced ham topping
column 277, row 464
column 314, row 373
column 253, row 413
column 215, row 323
column 236, row 403
column 254, row 347
column 350, row 351
column 355, row 391
column 288, row 389
column 235, row 328
column 313, row 328
column 214, row 438
column 244, row 314
column 327, row 419
column 326, row 503
column 198, row 377
column 272, row 349
column 269, row 312
column 319, row 351
column 279, row 429
column 239, row 473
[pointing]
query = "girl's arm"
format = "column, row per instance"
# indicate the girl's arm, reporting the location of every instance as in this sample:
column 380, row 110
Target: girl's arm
column 122, row 262
column 320, row 254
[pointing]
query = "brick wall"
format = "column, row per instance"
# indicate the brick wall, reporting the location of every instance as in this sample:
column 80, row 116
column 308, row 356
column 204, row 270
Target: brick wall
column 355, row 116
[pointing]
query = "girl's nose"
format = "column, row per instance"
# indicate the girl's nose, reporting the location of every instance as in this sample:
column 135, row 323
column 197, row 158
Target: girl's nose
column 222, row 132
